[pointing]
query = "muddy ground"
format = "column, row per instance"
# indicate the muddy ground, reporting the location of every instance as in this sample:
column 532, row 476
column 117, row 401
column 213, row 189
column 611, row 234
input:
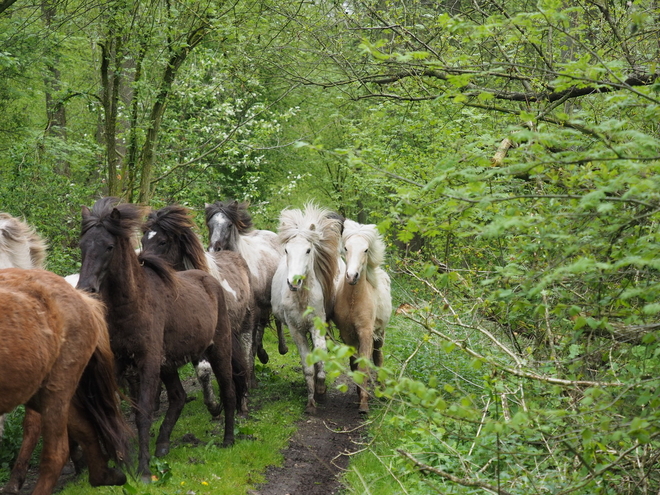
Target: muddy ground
column 320, row 450
column 317, row 455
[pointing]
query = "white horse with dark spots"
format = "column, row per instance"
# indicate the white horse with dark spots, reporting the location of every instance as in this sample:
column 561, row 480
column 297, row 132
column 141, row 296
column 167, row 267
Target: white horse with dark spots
column 303, row 285
column 363, row 303
column 231, row 229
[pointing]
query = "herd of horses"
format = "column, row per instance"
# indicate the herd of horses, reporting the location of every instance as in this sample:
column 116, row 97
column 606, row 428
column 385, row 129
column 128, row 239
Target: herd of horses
column 142, row 308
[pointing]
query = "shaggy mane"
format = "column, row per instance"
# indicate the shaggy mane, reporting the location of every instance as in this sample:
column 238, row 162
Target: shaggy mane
column 235, row 212
column 14, row 234
column 125, row 226
column 322, row 230
column 177, row 224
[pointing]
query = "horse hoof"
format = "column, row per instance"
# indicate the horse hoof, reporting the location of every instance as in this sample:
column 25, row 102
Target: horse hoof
column 283, row 349
column 13, row 490
column 310, row 409
column 145, row 478
column 363, row 410
column 215, row 410
column 113, row 477
column 162, row 450
column 262, row 355
column 228, row 442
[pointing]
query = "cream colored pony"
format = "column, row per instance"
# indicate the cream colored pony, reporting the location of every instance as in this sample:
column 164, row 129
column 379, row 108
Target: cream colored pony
column 363, row 303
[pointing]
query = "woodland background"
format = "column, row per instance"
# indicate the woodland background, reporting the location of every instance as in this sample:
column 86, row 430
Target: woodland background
column 509, row 151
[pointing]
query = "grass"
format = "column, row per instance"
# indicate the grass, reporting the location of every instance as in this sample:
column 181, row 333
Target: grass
column 399, row 424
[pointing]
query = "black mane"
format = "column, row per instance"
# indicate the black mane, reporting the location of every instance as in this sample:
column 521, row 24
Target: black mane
column 235, row 212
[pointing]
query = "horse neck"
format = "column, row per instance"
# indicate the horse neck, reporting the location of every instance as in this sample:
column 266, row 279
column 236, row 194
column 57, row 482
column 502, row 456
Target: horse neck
column 123, row 283
column 326, row 279
column 370, row 275
column 248, row 248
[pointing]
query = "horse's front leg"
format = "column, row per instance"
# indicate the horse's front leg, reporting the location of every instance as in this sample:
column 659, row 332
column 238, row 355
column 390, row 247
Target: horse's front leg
column 318, row 341
column 31, row 433
column 55, row 449
column 281, row 341
column 220, row 357
column 176, row 397
column 308, row 371
column 365, row 351
column 204, row 374
column 148, row 388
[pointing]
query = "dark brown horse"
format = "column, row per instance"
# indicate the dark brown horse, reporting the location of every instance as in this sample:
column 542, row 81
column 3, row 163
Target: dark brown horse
column 55, row 358
column 158, row 320
column 230, row 229
column 169, row 233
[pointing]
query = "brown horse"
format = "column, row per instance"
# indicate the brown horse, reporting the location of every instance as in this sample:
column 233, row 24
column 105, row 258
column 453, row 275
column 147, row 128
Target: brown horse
column 158, row 320
column 56, row 359
column 230, row 229
column 169, row 233
column 363, row 303
column 20, row 247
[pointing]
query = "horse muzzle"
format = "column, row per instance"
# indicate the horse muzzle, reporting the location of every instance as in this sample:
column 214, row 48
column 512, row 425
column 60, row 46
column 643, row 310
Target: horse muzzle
column 352, row 278
column 294, row 287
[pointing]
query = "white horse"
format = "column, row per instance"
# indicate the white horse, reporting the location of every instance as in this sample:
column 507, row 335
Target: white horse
column 363, row 303
column 230, row 229
column 20, row 247
column 305, row 279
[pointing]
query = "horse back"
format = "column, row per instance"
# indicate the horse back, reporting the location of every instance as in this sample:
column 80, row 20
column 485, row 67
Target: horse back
column 39, row 311
column 192, row 315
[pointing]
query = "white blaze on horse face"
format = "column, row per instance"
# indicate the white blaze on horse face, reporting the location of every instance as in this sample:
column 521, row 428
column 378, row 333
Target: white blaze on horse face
column 298, row 258
column 217, row 224
column 151, row 234
column 356, row 251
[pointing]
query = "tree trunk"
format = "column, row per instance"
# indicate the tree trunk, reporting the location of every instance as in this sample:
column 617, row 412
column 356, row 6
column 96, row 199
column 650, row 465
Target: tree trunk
column 55, row 110
column 157, row 111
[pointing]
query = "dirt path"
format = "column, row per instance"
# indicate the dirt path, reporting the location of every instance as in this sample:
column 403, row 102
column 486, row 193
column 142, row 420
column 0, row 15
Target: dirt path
column 320, row 450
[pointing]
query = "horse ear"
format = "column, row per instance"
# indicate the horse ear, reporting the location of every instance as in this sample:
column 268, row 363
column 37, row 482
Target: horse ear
column 85, row 211
column 115, row 214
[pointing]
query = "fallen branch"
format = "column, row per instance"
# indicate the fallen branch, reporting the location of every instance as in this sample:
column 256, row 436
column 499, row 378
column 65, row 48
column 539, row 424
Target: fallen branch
column 451, row 477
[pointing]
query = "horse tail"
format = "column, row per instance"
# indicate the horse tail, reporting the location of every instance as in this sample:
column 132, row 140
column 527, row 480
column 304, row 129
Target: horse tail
column 99, row 395
column 239, row 369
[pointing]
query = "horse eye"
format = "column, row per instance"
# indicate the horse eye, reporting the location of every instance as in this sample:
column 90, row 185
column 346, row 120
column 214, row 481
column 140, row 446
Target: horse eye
column 366, row 250
column 286, row 251
column 308, row 250
column 345, row 249
column 110, row 248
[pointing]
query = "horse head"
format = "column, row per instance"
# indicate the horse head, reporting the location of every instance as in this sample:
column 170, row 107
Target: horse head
column 356, row 251
column 107, row 229
column 299, row 256
column 227, row 220
column 168, row 233
column 363, row 249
